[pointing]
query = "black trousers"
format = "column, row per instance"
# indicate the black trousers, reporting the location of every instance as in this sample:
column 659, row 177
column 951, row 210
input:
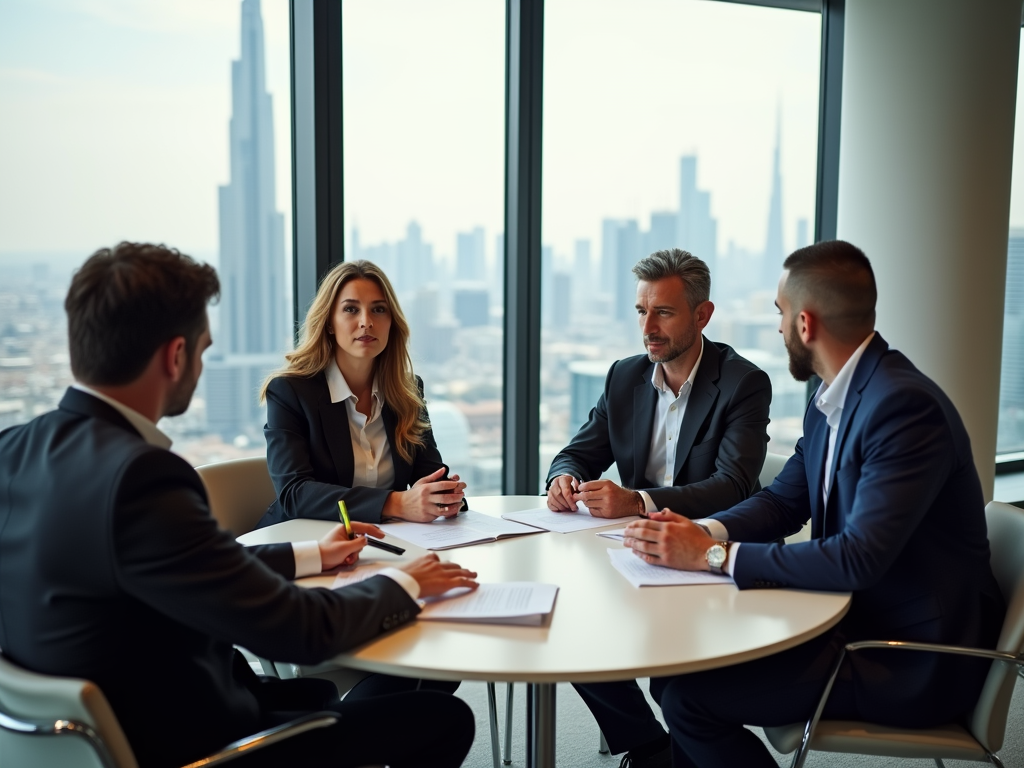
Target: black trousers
column 386, row 722
column 706, row 711
column 622, row 713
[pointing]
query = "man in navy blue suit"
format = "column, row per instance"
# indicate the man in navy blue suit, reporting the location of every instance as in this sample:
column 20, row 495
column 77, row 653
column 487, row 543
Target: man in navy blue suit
column 884, row 473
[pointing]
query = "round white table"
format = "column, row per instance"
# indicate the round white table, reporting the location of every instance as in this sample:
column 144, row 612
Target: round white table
column 602, row 628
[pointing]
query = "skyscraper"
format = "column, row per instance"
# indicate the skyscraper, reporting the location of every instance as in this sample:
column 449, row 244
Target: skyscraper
column 252, row 311
column 697, row 231
column 254, row 321
column 469, row 255
column 774, row 250
column 664, row 232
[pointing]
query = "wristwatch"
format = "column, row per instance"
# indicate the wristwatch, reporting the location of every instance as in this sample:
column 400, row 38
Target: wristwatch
column 717, row 555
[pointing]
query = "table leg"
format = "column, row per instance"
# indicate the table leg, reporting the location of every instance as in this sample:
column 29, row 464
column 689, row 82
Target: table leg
column 540, row 725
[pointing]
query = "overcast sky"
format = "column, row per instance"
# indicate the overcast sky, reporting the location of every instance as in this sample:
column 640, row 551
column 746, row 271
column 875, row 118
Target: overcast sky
column 115, row 116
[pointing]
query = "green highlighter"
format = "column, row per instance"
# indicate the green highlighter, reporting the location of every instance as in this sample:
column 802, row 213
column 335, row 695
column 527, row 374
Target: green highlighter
column 343, row 514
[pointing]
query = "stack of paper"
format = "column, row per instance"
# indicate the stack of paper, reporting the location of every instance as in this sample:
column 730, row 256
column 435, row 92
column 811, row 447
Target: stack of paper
column 642, row 574
column 564, row 522
column 446, row 533
column 514, row 602
column 360, row 571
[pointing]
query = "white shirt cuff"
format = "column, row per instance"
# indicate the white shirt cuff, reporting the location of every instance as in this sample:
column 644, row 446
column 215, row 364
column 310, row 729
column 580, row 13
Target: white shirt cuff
column 307, row 558
column 648, row 502
column 403, row 579
column 715, row 528
column 730, row 563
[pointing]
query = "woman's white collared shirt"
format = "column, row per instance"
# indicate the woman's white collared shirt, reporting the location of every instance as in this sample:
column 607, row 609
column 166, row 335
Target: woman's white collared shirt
column 373, row 465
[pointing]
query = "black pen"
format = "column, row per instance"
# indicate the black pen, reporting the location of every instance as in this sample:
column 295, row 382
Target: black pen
column 343, row 514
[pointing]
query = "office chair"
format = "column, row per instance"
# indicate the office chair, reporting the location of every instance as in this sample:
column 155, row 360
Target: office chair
column 47, row 721
column 986, row 726
column 240, row 491
column 773, row 464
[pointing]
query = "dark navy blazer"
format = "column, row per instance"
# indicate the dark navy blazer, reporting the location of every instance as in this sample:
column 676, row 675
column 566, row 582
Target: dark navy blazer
column 904, row 531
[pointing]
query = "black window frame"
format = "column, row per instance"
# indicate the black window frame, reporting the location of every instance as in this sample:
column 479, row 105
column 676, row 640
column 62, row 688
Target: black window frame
column 318, row 185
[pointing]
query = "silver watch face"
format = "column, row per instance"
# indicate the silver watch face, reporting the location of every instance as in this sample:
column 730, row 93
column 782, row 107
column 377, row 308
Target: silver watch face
column 716, row 556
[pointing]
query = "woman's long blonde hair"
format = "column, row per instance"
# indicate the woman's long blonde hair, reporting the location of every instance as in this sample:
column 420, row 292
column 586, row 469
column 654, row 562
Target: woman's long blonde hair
column 392, row 367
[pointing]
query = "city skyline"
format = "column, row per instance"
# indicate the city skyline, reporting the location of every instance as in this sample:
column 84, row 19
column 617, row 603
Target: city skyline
column 722, row 163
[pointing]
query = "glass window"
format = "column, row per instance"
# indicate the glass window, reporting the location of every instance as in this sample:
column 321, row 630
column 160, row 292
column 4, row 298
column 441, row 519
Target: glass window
column 688, row 124
column 1010, row 437
column 424, row 89
column 161, row 122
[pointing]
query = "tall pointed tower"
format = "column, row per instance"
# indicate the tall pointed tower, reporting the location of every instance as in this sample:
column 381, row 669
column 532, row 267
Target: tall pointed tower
column 252, row 313
column 774, row 249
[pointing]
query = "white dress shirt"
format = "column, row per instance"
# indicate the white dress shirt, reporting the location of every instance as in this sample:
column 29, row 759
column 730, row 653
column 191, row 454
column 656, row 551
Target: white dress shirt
column 307, row 553
column 669, row 410
column 373, row 465
column 829, row 400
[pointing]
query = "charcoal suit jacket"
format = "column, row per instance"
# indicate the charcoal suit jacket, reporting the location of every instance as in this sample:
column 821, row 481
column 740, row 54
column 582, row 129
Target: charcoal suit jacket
column 309, row 454
column 722, row 437
column 113, row 570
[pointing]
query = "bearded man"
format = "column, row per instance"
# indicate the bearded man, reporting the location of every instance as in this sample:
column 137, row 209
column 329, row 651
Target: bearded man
column 884, row 473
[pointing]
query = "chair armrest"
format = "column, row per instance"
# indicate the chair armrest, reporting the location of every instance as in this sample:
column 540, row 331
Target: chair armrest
column 958, row 650
column 266, row 738
column 60, row 728
column 861, row 645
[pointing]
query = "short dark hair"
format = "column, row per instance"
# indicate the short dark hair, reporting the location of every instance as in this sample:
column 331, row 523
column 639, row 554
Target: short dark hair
column 675, row 262
column 126, row 301
column 835, row 280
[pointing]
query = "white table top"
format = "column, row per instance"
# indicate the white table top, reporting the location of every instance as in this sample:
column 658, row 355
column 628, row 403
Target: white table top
column 602, row 627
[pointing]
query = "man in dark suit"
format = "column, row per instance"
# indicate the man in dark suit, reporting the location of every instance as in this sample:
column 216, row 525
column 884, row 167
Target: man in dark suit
column 685, row 426
column 123, row 578
column 884, row 473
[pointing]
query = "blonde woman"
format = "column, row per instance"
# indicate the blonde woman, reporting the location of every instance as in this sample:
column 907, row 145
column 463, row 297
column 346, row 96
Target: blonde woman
column 346, row 417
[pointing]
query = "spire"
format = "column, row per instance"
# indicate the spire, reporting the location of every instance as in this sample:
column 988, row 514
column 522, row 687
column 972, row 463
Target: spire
column 774, row 249
column 253, row 310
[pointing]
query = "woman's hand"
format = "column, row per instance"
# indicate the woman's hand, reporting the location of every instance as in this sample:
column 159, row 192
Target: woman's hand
column 436, row 578
column 428, row 499
column 337, row 549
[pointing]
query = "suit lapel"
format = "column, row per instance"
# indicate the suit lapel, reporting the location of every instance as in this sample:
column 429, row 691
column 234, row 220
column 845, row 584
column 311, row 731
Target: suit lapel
column 699, row 404
column 815, row 448
column 861, row 376
column 334, row 418
column 645, row 398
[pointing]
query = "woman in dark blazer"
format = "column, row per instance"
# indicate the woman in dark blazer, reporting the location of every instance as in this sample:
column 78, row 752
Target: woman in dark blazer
column 346, row 417
column 346, row 420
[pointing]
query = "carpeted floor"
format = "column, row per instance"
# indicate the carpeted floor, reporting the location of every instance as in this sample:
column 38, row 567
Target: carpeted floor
column 577, row 735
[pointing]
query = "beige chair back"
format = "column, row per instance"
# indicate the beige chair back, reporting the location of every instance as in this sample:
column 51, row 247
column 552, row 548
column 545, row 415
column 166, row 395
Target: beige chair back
column 773, row 464
column 1006, row 538
column 240, row 491
column 32, row 697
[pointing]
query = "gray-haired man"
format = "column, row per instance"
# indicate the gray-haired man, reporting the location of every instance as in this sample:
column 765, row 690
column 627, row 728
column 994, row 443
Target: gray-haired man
column 685, row 426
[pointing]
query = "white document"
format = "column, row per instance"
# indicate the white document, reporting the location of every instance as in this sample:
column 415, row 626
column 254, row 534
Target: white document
column 641, row 574
column 360, row 571
column 467, row 528
column 514, row 602
column 564, row 522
